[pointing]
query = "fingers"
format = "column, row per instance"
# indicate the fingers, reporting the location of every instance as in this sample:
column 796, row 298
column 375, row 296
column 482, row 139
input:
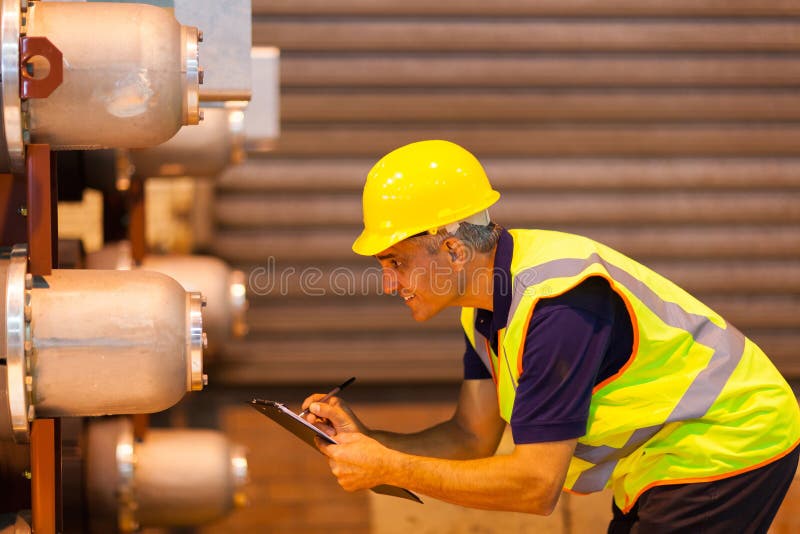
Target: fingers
column 323, row 446
column 310, row 417
column 331, row 411
column 328, row 429
column 311, row 398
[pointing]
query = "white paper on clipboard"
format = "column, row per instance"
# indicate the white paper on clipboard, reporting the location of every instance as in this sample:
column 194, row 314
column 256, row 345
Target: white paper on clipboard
column 307, row 432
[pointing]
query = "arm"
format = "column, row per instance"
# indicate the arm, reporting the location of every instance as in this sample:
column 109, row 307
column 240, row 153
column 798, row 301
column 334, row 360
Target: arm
column 474, row 430
column 528, row 480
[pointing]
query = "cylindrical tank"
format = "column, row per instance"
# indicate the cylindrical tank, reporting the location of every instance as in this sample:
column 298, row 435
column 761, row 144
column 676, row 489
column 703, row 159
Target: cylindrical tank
column 186, row 477
column 108, row 472
column 225, row 289
column 200, row 151
column 171, row 478
column 131, row 75
column 112, row 342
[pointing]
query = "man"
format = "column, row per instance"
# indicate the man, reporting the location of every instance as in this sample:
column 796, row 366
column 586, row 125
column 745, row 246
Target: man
column 608, row 374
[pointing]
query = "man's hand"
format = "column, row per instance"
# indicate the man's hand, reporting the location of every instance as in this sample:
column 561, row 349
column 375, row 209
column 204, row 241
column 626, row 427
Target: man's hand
column 357, row 461
column 333, row 417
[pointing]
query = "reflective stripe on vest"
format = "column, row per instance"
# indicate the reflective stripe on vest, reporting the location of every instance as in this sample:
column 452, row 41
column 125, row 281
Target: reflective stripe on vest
column 695, row 402
column 688, row 365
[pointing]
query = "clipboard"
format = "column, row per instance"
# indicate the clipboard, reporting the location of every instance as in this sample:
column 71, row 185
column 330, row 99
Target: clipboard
column 307, row 432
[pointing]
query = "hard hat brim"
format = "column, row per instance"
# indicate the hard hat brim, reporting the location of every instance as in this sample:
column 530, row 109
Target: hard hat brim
column 371, row 243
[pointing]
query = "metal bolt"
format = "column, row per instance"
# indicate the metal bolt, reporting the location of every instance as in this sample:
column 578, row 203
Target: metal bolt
column 203, row 301
column 205, row 341
column 22, row 210
column 205, row 379
column 28, row 346
column 28, row 281
column 27, row 474
column 28, row 383
column 201, row 115
column 200, row 75
column 31, row 412
column 199, row 36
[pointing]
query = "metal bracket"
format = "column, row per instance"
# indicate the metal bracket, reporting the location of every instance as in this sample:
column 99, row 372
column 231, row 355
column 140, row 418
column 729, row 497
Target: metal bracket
column 30, row 86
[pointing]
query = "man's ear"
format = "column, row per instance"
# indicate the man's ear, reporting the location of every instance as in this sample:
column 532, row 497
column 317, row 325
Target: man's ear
column 458, row 252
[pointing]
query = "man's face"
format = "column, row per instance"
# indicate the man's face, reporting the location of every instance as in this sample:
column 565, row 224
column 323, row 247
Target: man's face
column 425, row 280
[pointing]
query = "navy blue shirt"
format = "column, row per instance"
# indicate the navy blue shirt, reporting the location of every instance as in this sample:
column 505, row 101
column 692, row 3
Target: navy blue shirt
column 574, row 341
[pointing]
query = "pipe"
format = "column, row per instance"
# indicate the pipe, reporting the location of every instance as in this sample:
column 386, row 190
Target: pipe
column 131, row 75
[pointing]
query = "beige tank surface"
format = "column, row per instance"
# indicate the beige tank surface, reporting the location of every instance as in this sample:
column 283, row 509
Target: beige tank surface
column 225, row 289
column 171, row 478
column 131, row 75
column 199, row 151
column 86, row 343
column 113, row 342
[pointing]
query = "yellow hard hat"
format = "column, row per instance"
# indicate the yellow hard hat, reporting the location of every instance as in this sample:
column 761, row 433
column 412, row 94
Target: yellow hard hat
column 420, row 187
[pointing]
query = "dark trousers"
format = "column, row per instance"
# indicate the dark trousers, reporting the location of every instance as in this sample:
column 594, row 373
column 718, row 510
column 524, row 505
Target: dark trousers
column 744, row 504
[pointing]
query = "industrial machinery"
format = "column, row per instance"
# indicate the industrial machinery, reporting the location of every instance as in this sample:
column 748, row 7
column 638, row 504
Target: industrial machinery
column 62, row 87
column 79, row 343
column 170, row 478
column 77, row 340
column 77, row 77
column 224, row 289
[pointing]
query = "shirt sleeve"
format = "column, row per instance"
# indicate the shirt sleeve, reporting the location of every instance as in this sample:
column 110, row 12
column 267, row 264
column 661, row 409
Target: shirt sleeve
column 567, row 339
column 474, row 368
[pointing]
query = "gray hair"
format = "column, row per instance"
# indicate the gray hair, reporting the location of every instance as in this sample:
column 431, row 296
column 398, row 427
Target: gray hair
column 480, row 238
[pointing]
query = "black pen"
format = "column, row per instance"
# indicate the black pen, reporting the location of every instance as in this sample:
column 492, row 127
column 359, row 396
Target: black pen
column 330, row 394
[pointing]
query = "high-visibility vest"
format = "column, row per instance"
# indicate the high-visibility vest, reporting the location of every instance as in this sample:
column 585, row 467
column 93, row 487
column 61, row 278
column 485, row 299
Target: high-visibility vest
column 695, row 402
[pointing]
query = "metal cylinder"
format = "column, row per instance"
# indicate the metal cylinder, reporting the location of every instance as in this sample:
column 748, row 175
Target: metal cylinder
column 131, row 75
column 112, row 342
column 171, row 478
column 186, row 477
column 201, row 151
column 108, row 472
column 225, row 289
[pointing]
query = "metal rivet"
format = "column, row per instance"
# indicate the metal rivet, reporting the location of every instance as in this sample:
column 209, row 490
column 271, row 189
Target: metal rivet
column 205, row 379
column 22, row 210
column 29, row 383
column 28, row 281
column 201, row 115
column 31, row 412
column 199, row 36
column 200, row 75
column 204, row 301
column 28, row 346
column 205, row 341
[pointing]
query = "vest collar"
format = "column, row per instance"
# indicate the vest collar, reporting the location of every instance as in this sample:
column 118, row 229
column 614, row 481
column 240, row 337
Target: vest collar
column 488, row 323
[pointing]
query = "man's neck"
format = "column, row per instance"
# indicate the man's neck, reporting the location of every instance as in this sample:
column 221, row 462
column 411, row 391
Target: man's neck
column 479, row 289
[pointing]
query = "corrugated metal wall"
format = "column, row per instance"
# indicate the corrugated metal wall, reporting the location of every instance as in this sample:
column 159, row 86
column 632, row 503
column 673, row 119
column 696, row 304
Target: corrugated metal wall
column 670, row 130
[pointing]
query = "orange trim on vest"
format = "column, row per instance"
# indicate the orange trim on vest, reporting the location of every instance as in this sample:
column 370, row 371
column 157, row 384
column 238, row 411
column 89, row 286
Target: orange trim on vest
column 635, row 344
column 525, row 334
column 631, row 314
column 712, row 478
column 491, row 362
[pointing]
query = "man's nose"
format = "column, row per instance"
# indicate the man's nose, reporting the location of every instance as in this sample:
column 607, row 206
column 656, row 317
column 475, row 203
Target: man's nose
column 389, row 282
